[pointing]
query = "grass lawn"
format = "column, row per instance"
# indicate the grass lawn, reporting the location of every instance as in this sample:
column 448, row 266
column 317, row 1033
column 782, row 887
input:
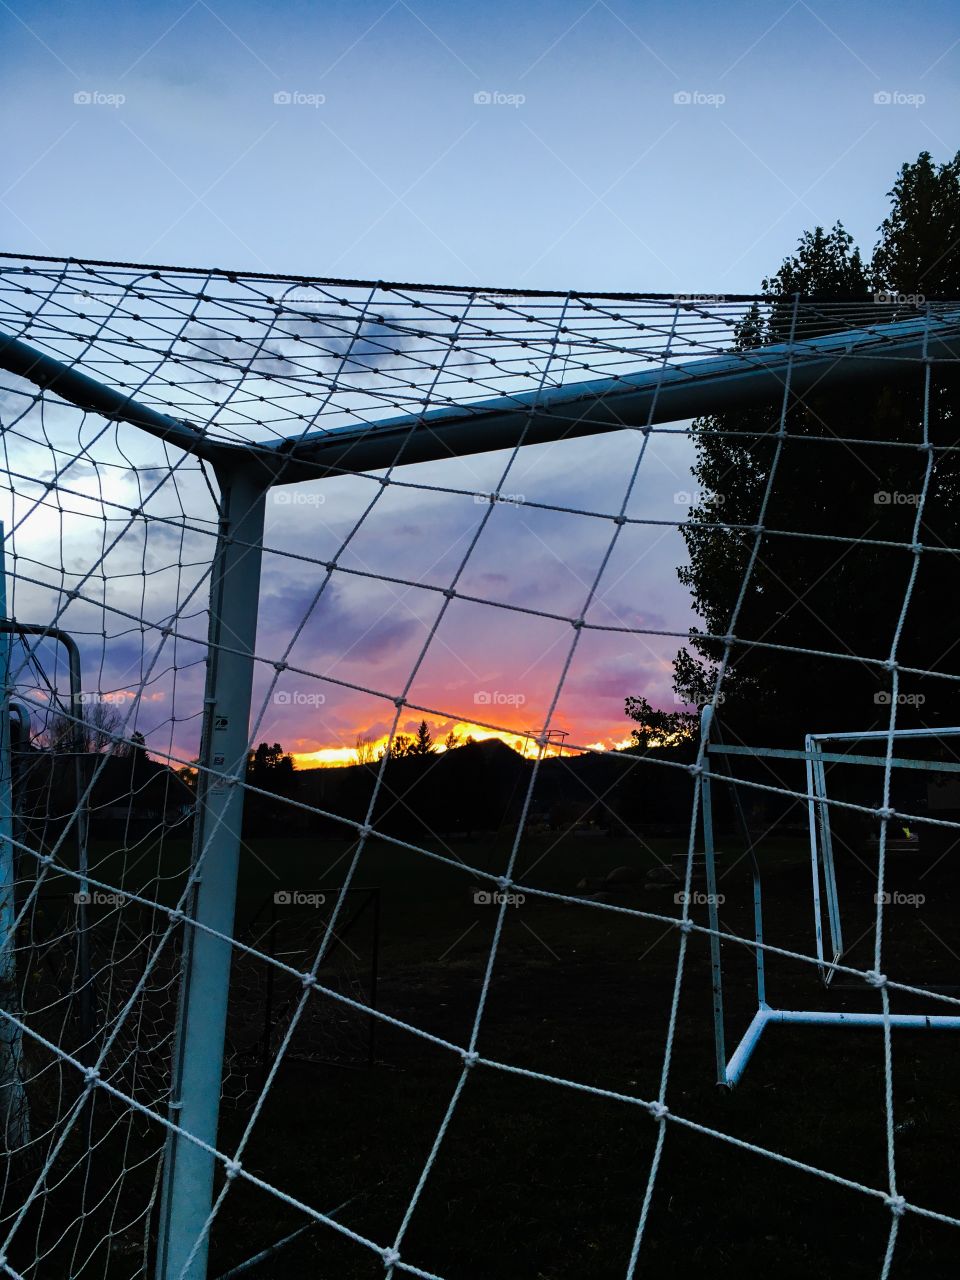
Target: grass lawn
column 536, row 1181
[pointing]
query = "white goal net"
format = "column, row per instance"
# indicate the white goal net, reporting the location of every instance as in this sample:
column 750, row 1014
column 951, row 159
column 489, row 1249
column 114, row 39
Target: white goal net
column 346, row 929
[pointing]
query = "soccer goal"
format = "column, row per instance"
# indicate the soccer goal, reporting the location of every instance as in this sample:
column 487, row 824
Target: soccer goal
column 822, row 862
column 823, row 871
column 290, row 567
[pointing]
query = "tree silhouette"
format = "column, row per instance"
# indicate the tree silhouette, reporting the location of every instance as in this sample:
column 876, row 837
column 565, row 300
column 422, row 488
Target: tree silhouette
column 659, row 728
column 271, row 769
column 422, row 745
column 188, row 776
column 815, row 593
column 100, row 725
column 399, row 748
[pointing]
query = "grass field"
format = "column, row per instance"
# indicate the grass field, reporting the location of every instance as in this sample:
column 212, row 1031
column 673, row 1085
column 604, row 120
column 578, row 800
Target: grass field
column 541, row 1181
column 538, row 1180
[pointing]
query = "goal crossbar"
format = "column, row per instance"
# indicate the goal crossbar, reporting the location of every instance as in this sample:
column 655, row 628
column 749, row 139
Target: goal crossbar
column 668, row 393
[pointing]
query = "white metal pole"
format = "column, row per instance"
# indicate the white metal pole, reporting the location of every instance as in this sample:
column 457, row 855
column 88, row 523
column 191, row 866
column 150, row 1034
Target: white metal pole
column 198, row 1057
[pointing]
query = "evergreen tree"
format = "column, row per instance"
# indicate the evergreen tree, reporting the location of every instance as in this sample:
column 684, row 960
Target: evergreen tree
column 422, row 744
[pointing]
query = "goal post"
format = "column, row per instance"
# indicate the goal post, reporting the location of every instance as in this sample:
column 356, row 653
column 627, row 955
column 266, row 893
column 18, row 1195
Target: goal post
column 198, row 1053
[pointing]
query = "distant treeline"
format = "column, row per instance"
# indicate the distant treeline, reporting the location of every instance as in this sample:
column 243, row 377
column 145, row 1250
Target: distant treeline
column 482, row 787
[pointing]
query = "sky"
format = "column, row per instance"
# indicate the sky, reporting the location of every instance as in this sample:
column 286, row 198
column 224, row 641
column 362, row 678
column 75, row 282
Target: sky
column 675, row 148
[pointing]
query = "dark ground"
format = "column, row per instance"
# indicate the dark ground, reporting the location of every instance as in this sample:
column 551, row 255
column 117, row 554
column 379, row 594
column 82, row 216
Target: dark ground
column 536, row 1181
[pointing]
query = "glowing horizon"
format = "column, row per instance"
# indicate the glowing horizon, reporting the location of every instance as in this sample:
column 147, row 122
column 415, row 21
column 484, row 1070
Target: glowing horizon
column 524, row 743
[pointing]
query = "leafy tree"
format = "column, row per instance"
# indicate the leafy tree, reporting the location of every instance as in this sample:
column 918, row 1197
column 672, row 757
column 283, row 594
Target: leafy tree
column 844, row 597
column 188, row 776
column 918, row 248
column 271, row 769
column 400, row 747
column 659, row 728
column 451, row 741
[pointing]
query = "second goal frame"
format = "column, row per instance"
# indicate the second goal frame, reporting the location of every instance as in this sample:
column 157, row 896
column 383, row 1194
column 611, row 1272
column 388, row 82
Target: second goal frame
column 730, row 1069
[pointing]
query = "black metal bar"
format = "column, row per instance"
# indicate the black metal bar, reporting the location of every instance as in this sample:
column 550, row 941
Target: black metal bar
column 86, row 393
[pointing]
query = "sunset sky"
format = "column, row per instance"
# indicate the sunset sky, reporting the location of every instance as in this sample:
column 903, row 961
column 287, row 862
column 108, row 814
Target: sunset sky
column 677, row 148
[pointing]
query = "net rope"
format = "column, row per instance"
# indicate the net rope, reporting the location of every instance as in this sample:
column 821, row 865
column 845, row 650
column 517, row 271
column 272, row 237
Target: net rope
column 253, row 362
